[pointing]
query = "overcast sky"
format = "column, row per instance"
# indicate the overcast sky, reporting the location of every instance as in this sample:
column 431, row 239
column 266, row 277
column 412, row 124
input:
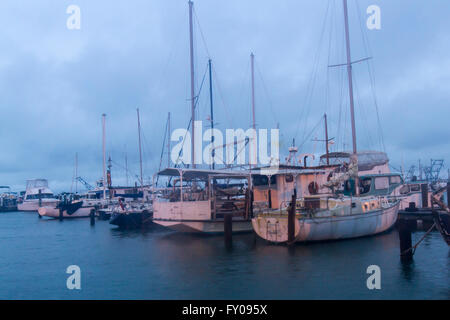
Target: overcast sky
column 55, row 83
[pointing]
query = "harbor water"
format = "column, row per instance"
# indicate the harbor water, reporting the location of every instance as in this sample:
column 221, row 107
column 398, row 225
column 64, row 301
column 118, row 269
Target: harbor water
column 155, row 263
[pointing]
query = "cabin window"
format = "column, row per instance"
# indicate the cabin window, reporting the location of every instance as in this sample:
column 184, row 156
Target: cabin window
column 404, row 189
column 415, row 187
column 289, row 178
column 381, row 183
column 395, row 179
column 261, row 180
column 365, row 184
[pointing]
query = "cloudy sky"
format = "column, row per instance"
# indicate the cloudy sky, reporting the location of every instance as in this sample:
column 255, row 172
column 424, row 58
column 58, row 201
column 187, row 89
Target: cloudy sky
column 55, row 83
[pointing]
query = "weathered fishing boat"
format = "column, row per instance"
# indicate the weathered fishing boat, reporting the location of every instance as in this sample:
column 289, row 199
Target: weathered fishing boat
column 323, row 215
column 198, row 200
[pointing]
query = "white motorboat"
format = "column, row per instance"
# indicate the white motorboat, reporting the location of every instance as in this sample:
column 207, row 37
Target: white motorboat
column 37, row 195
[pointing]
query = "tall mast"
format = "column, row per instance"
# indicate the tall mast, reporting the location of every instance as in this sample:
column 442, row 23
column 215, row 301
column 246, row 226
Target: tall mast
column 252, row 60
column 126, row 168
column 168, row 140
column 252, row 63
column 191, row 50
column 140, row 148
column 212, row 110
column 326, row 138
column 350, row 91
column 104, row 156
column 76, row 172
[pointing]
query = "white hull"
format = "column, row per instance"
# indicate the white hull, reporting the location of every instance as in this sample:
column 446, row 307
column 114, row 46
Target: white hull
column 213, row 227
column 52, row 212
column 33, row 205
column 274, row 228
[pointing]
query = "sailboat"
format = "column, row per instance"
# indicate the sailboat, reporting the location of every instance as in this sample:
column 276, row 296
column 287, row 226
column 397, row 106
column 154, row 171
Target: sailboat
column 198, row 200
column 331, row 215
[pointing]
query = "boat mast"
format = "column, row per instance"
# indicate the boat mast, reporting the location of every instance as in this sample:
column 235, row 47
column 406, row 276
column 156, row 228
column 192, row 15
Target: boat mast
column 252, row 63
column 140, row 151
column 168, row 140
column 212, row 112
column 350, row 91
column 326, row 139
column 76, row 172
column 126, row 167
column 191, row 50
column 104, row 157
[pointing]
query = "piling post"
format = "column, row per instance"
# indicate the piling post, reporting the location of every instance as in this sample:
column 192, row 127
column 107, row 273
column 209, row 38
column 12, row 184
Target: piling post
column 228, row 228
column 92, row 217
column 448, row 194
column 40, row 198
column 424, row 188
column 404, row 232
column 291, row 218
column 270, row 198
column 60, row 214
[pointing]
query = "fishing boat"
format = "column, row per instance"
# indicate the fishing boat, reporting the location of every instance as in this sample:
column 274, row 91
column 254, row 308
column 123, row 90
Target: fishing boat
column 347, row 206
column 8, row 200
column 37, row 194
column 129, row 215
column 197, row 200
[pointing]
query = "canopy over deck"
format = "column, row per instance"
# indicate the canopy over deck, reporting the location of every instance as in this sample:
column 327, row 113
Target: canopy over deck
column 191, row 174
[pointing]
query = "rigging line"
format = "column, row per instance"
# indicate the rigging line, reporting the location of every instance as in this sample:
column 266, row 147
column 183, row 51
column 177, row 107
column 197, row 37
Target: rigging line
column 267, row 93
column 368, row 50
column 310, row 133
column 219, row 89
column 201, row 32
column 312, row 81
column 125, row 169
column 362, row 112
column 162, row 150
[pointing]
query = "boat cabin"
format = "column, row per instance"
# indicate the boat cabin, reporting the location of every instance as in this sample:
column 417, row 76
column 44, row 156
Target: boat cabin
column 195, row 194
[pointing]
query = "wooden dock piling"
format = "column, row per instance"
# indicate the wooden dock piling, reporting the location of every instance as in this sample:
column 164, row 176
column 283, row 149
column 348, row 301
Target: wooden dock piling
column 448, row 194
column 424, row 189
column 404, row 231
column 92, row 217
column 291, row 219
column 228, row 228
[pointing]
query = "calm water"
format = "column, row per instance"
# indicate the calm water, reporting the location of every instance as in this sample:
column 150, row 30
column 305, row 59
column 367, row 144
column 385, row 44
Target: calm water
column 160, row 264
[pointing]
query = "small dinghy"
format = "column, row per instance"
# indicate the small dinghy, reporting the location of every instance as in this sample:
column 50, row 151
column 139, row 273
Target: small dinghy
column 74, row 209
